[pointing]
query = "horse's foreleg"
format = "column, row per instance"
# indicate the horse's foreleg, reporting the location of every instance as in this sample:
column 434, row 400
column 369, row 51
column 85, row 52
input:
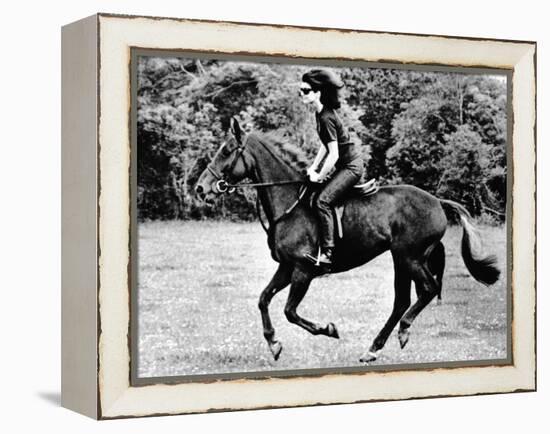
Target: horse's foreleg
column 279, row 281
column 401, row 302
column 301, row 279
column 426, row 289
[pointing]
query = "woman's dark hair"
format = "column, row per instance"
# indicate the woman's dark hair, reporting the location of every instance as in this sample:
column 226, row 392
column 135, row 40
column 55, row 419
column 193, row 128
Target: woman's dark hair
column 328, row 83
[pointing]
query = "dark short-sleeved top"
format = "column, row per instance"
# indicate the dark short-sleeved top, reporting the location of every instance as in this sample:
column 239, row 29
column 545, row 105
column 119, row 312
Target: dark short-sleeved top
column 331, row 129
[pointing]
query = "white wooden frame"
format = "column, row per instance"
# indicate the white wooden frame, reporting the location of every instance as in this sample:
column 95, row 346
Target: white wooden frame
column 96, row 216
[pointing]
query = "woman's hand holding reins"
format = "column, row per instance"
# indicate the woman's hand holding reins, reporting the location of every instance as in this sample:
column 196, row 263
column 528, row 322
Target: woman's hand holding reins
column 313, row 176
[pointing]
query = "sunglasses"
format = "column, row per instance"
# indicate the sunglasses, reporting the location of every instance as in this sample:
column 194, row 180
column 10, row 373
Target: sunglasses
column 305, row 90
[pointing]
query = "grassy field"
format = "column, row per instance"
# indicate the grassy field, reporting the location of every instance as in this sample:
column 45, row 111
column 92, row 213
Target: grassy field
column 199, row 284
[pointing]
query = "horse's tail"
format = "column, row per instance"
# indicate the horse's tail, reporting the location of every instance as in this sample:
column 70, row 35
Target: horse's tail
column 482, row 268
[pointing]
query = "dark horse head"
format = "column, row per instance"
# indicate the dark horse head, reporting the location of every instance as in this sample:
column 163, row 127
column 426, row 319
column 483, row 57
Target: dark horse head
column 257, row 156
column 228, row 165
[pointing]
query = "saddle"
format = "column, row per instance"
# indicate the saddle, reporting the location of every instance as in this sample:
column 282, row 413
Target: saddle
column 360, row 190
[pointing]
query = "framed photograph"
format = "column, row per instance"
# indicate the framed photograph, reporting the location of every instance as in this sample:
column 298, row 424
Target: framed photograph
column 261, row 216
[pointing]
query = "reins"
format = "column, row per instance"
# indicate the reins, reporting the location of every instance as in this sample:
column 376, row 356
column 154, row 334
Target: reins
column 228, row 186
column 287, row 212
column 265, row 184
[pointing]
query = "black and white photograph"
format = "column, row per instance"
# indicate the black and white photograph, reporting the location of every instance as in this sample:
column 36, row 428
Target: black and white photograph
column 298, row 217
column 289, row 217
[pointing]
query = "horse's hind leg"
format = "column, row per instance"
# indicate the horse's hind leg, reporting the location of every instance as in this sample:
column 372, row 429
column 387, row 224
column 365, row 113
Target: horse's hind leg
column 426, row 289
column 301, row 279
column 401, row 302
column 436, row 264
column 279, row 281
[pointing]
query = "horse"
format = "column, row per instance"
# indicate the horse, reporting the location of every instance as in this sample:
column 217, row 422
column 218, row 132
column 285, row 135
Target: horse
column 403, row 219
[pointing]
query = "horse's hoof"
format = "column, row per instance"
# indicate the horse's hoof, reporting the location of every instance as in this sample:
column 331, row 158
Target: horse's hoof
column 332, row 331
column 276, row 349
column 371, row 356
column 403, row 336
column 438, row 302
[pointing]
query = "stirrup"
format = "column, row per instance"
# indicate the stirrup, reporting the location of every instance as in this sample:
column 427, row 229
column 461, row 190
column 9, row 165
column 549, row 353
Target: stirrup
column 319, row 260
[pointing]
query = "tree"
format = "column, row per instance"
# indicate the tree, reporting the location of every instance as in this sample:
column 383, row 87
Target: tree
column 419, row 133
column 464, row 169
column 451, row 142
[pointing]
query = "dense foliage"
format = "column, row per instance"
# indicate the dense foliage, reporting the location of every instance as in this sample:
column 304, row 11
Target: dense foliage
column 443, row 132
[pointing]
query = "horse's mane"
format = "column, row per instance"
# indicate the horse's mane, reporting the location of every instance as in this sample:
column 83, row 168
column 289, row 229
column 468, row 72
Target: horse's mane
column 288, row 152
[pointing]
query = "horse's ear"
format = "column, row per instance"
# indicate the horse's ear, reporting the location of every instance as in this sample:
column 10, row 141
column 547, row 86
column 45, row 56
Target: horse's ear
column 236, row 130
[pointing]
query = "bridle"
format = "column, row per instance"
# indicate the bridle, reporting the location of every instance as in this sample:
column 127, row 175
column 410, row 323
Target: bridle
column 222, row 186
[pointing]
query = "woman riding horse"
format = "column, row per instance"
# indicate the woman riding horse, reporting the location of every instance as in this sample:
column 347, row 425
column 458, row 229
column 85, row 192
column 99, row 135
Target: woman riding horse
column 320, row 89
column 403, row 219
